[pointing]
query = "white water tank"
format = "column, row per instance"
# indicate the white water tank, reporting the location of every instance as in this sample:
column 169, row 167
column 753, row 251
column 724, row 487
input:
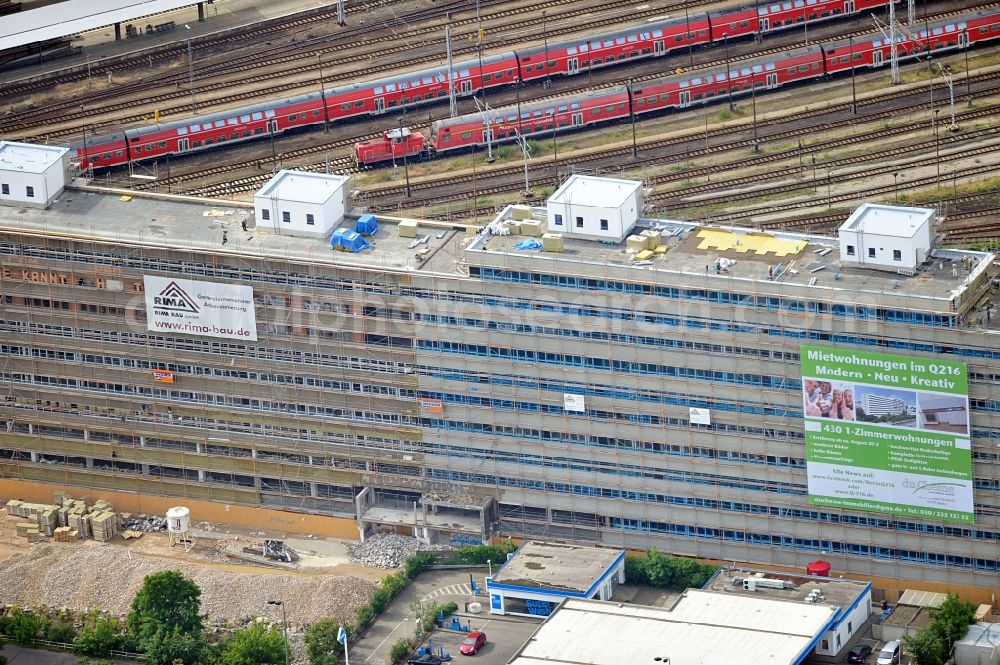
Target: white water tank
column 178, row 520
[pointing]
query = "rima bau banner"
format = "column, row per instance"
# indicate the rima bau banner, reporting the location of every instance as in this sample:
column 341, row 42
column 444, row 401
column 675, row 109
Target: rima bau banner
column 192, row 307
column 888, row 433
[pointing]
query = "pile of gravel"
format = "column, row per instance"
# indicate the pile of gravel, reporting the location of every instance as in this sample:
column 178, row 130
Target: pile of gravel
column 389, row 550
column 89, row 575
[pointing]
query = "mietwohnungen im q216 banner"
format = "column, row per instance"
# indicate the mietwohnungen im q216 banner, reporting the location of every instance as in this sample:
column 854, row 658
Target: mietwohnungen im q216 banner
column 887, row 433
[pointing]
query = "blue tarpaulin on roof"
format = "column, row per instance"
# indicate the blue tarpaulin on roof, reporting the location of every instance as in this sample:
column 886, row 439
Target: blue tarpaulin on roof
column 528, row 243
column 366, row 225
column 348, row 240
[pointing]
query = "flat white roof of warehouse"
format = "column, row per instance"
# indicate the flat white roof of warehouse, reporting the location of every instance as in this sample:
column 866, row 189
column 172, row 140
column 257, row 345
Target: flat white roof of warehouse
column 702, row 628
column 74, row 16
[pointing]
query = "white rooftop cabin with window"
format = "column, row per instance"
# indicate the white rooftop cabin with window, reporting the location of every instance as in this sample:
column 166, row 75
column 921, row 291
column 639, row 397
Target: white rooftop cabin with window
column 303, row 204
column 31, row 175
column 887, row 237
column 595, row 208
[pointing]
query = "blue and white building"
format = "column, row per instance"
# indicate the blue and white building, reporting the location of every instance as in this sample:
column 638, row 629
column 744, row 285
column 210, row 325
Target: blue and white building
column 539, row 576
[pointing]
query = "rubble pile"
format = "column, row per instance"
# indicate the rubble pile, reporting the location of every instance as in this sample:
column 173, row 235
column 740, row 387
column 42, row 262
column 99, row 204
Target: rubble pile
column 146, row 523
column 389, row 550
column 79, row 578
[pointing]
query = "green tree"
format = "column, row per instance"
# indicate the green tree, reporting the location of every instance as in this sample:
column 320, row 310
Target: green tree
column 322, row 646
column 659, row 569
column 3, row 659
column 98, row 636
column 167, row 601
column 60, row 631
column 24, row 627
column 254, row 645
column 400, row 650
column 176, row 648
column 952, row 619
column 635, row 570
column 926, row 647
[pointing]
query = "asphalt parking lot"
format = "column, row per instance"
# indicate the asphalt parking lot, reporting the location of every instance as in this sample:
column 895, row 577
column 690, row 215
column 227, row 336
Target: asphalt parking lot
column 504, row 636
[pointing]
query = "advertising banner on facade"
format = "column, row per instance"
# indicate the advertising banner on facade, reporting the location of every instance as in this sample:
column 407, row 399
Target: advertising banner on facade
column 888, row 433
column 200, row 308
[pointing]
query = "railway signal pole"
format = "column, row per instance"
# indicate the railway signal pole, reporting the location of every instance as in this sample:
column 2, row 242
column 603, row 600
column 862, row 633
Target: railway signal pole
column 341, row 21
column 479, row 49
column 753, row 102
column 406, row 166
column 526, row 151
column 937, row 147
column 486, row 112
column 950, row 80
column 452, row 102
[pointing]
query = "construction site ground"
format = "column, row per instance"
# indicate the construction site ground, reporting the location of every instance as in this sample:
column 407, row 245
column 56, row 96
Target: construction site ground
column 324, row 582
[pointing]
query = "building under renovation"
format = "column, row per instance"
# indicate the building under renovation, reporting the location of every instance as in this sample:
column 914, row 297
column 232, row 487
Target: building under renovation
column 635, row 394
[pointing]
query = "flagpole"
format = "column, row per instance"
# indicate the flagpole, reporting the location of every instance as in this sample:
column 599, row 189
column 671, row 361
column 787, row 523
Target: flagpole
column 342, row 638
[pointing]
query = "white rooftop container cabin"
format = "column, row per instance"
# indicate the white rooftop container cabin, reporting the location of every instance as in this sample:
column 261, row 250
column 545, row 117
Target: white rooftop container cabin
column 303, row 204
column 887, row 237
column 31, row 175
column 595, row 208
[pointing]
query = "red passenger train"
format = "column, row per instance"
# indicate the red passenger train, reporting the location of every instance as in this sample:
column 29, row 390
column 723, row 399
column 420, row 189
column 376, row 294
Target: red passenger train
column 408, row 91
column 696, row 88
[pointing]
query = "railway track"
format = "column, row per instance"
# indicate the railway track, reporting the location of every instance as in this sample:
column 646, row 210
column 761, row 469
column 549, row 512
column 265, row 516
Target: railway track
column 345, row 165
column 808, row 123
column 319, row 46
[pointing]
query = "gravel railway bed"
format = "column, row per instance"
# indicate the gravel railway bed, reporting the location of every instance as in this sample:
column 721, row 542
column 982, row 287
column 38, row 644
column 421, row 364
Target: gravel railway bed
column 826, row 119
column 705, row 58
column 308, row 50
column 80, row 575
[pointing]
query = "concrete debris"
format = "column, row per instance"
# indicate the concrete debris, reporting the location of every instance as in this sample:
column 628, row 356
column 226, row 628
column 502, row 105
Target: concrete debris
column 389, row 550
column 147, row 523
column 59, row 576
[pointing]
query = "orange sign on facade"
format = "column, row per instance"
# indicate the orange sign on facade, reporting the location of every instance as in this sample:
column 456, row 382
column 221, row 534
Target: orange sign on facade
column 163, row 376
column 432, row 406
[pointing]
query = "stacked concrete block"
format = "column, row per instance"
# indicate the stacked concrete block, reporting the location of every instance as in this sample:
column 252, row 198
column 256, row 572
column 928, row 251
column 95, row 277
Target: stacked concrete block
column 104, row 525
column 64, row 534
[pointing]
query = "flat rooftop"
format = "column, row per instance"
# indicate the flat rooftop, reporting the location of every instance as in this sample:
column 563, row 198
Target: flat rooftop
column 702, row 628
column 837, row 592
column 883, row 220
column 590, row 191
column 28, row 157
column 302, row 186
column 442, row 248
column 73, row 16
column 803, row 259
column 556, row 566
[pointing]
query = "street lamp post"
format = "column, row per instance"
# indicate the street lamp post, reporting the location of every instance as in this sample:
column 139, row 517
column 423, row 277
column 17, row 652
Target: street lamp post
column 194, row 101
column 729, row 87
column 284, row 624
column 631, row 113
column 545, row 39
column 937, row 147
column 854, row 89
column 687, row 33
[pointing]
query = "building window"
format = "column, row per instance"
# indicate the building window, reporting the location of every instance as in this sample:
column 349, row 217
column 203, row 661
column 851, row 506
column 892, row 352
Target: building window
column 265, row 213
column 310, row 220
column 850, row 250
column 558, row 220
column 286, row 217
column 30, row 191
column 871, row 252
column 897, row 255
column 604, row 225
column 579, row 222
column 5, row 188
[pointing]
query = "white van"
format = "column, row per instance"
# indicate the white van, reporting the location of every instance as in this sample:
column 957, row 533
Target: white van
column 889, row 655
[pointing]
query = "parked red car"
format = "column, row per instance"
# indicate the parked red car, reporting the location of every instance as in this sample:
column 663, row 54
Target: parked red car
column 473, row 642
